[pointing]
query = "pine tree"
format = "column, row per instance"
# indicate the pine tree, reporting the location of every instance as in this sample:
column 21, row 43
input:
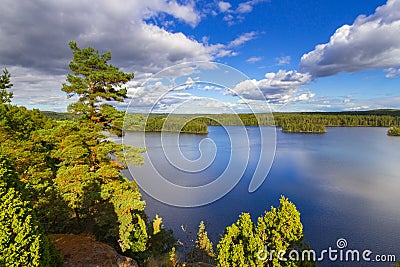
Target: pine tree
column 21, row 241
column 94, row 81
column 161, row 240
column 203, row 251
column 5, row 83
column 89, row 180
column 23, row 139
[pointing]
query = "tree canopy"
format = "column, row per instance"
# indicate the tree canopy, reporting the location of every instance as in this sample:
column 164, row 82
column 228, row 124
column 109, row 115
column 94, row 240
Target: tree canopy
column 248, row 244
column 90, row 181
column 21, row 241
column 94, row 80
column 203, row 250
column 5, row 83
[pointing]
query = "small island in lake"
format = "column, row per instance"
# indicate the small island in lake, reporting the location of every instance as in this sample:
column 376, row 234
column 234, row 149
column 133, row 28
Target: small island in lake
column 303, row 128
column 394, row 131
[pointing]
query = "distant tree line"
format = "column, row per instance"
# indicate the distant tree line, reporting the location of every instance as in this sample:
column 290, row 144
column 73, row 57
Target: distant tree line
column 344, row 120
column 177, row 123
column 290, row 122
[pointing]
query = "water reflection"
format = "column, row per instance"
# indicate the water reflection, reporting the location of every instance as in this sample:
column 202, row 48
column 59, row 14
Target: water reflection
column 345, row 184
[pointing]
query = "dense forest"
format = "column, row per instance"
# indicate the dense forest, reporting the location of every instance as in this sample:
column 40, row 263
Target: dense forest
column 295, row 122
column 61, row 175
column 290, row 122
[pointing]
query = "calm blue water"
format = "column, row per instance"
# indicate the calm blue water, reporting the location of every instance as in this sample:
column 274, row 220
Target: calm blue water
column 345, row 183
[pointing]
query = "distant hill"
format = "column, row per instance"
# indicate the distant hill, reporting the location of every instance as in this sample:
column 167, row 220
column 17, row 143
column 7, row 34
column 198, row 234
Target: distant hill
column 57, row 115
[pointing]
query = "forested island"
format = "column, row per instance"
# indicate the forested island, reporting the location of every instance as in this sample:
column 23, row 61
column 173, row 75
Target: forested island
column 394, row 131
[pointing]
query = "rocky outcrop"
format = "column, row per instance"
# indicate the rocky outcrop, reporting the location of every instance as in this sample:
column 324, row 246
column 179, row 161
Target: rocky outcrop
column 85, row 251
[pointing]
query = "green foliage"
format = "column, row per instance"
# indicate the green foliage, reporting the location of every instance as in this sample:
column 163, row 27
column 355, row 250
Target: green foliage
column 89, row 180
column 57, row 115
column 70, row 170
column 128, row 207
column 99, row 199
column 303, row 128
column 280, row 230
column 290, row 122
column 21, row 241
column 316, row 122
column 394, row 131
column 94, row 80
column 19, row 123
column 134, row 122
column 174, row 123
column 22, row 142
column 5, row 83
column 173, row 259
column 240, row 244
column 203, row 251
column 244, row 242
column 157, row 225
column 162, row 240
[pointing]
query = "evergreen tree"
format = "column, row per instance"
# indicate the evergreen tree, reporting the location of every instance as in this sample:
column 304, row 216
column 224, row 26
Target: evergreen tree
column 21, row 241
column 89, row 180
column 280, row 229
column 5, row 83
column 161, row 240
column 94, row 81
column 22, row 137
column 247, row 244
column 203, row 251
column 240, row 244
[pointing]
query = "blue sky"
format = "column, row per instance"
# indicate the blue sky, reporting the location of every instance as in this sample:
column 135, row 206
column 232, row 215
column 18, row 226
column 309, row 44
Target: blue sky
column 302, row 55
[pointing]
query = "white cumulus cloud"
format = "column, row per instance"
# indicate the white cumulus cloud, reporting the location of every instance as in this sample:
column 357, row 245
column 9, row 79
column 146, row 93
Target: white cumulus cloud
column 370, row 42
column 247, row 7
column 224, row 6
column 36, row 37
column 277, row 88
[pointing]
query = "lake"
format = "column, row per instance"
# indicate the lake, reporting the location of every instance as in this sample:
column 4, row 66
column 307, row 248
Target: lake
column 345, row 183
